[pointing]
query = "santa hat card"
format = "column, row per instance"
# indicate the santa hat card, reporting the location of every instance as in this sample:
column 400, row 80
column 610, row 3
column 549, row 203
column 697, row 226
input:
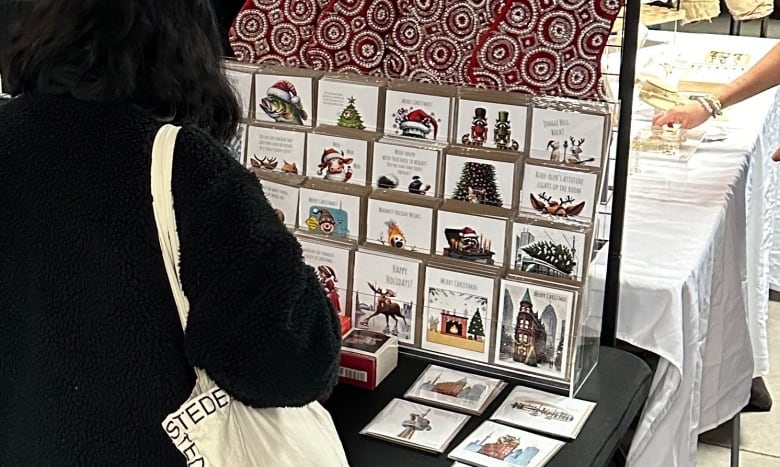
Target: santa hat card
column 337, row 159
column 478, row 240
column 284, row 96
column 418, row 111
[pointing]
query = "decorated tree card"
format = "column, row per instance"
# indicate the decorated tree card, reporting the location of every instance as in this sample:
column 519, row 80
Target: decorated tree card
column 471, row 238
column 559, row 193
column 283, row 200
column 479, row 181
column 495, row 445
column 405, row 168
column 332, row 265
column 550, row 252
column 348, row 104
column 284, row 99
column 491, row 125
column 385, row 294
column 237, row 145
column 535, row 324
column 417, row 116
column 401, row 226
column 274, row 150
column 241, row 82
column 329, row 214
column 455, row 389
column 458, row 310
column 337, row 159
column 569, row 138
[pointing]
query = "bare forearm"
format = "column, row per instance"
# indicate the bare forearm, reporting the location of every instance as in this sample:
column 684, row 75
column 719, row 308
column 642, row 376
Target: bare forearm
column 762, row 76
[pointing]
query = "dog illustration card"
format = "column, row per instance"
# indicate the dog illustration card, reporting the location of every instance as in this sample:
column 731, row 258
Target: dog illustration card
column 458, row 314
column 275, row 150
column 491, row 125
column 559, row 193
column 332, row 267
column 284, row 200
column 417, row 116
column 283, row 99
column 471, row 238
column 479, row 181
column 329, row 214
column 347, row 104
column 405, row 168
column 548, row 252
column 385, row 294
column 337, row 159
column 568, row 137
column 401, row 226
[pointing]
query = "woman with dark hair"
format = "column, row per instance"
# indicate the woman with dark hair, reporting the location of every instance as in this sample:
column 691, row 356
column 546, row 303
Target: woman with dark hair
column 92, row 355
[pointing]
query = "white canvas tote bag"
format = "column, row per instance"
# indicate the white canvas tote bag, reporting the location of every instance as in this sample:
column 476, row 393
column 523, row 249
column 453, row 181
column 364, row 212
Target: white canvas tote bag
column 211, row 429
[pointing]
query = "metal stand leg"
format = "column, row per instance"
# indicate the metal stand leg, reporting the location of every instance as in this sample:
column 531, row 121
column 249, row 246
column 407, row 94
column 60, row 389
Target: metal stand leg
column 764, row 26
column 735, row 27
column 735, row 441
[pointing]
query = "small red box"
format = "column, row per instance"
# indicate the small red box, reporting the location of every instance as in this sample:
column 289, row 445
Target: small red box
column 367, row 357
column 346, row 324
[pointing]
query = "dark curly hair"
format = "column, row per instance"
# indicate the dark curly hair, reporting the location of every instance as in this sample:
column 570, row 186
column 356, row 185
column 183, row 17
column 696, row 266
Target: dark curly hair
column 161, row 55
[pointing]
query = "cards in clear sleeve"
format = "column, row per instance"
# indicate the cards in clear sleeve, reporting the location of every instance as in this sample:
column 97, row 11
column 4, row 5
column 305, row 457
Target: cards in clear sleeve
column 405, row 168
column 329, row 214
column 559, row 194
column 404, row 227
column 548, row 252
column 482, row 124
column 241, row 82
column 466, row 237
column 337, row 159
column 496, row 445
column 457, row 390
column 479, row 181
column 275, row 150
column 568, row 138
column 284, row 201
column 417, row 116
column 348, row 104
column 285, row 100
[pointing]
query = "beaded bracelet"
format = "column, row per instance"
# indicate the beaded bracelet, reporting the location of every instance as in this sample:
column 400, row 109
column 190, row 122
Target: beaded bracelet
column 710, row 103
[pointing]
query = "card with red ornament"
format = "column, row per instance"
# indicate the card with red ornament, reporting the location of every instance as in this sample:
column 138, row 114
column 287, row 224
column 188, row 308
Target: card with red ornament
column 337, row 159
column 457, row 390
column 559, row 194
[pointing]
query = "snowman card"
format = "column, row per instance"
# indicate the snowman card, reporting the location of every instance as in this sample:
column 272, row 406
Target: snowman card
column 284, row 201
column 404, row 168
column 559, row 193
column 347, row 104
column 418, row 116
column 284, row 99
column 329, row 214
column 491, row 125
column 401, row 226
column 337, row 159
column 274, row 150
column 471, row 238
column 568, row 138
column 332, row 267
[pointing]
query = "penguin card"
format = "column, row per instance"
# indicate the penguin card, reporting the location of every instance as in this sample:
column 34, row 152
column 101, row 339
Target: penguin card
column 568, row 138
column 275, row 150
column 332, row 266
column 385, row 294
column 337, row 159
column 401, row 227
column 241, row 81
column 491, row 125
column 471, row 238
column 405, row 168
column 348, row 104
column 417, row 116
column 286, row 100
column 480, row 180
column 559, row 194
column 548, row 252
column 329, row 214
column 284, row 201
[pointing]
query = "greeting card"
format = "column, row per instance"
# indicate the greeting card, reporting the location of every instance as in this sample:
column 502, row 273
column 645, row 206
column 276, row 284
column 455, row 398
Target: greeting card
column 458, row 390
column 348, row 104
column 491, row 125
column 237, row 145
column 549, row 252
column 405, row 168
column 479, row 181
column 275, row 150
column 470, row 238
column 495, row 445
column 337, row 159
column 328, row 213
column 284, row 201
column 241, row 82
column 567, row 137
column 283, row 99
column 332, row 267
column 417, row 116
column 559, row 193
column 400, row 226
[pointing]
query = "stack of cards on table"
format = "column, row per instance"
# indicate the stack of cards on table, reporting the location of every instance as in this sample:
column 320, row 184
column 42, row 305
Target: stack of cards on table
column 458, row 390
column 495, row 445
column 367, row 357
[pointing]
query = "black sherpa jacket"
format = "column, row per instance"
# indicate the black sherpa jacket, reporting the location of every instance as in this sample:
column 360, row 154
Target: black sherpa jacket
column 92, row 355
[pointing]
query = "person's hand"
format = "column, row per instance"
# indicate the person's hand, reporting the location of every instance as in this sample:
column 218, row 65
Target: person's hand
column 688, row 116
column 776, row 155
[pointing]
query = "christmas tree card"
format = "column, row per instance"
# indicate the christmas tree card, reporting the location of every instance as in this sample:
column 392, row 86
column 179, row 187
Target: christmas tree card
column 329, row 214
column 285, row 100
column 458, row 390
column 284, row 201
column 240, row 80
column 458, row 310
column 535, row 328
column 274, row 150
column 237, row 145
column 559, row 194
column 417, row 116
column 496, row 125
column 495, row 445
column 481, row 181
column 385, row 289
column 568, row 138
column 402, row 227
column 416, row 425
column 468, row 237
column 549, row 252
column 332, row 265
column 348, row 104
column 405, row 168
column 337, row 159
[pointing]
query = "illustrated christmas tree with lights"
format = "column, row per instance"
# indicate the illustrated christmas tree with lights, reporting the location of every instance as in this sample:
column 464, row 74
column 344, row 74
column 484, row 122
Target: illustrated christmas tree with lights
column 477, row 184
column 350, row 117
column 476, row 328
column 560, row 256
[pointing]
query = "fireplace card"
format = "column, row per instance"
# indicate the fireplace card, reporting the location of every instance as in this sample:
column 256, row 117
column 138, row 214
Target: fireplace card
column 332, row 265
column 405, row 168
column 417, row 116
column 275, row 150
column 479, row 181
column 286, row 100
column 337, row 159
column 329, row 214
column 491, row 125
column 495, row 445
column 558, row 193
column 404, row 227
column 348, row 104
column 568, row 138
column 284, row 201
column 471, row 238
column 548, row 252
column 458, row 390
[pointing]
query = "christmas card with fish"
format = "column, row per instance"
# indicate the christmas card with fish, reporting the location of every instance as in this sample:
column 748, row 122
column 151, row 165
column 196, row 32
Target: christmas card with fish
column 568, row 138
column 549, row 252
column 385, row 292
column 273, row 149
column 337, row 159
column 416, row 425
column 458, row 313
column 490, row 119
column 559, row 194
column 240, row 78
column 332, row 264
column 495, row 445
column 349, row 103
column 400, row 227
column 458, row 390
column 284, row 201
column 410, row 113
column 284, row 99
column 329, row 214
column 482, row 180
column 405, row 168
column 469, row 237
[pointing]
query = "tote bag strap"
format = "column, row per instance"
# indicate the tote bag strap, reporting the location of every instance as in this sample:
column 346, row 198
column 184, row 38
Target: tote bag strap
column 164, row 214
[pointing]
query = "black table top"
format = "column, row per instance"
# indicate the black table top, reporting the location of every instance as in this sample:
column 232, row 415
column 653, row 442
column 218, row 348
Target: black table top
column 619, row 385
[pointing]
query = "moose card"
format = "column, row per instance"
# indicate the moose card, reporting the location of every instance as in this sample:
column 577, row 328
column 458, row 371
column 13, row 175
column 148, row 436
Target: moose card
column 418, row 116
column 347, row 104
column 401, row 226
column 275, row 150
column 491, row 125
column 385, row 294
column 455, row 389
column 332, row 267
column 405, row 168
column 496, row 445
column 337, row 159
column 284, row 99
column 559, row 193
column 568, row 137
column 329, row 214
column 534, row 328
column 479, row 181
column 458, row 313
column 471, row 238
column 284, row 201
column 237, row 145
column 548, row 252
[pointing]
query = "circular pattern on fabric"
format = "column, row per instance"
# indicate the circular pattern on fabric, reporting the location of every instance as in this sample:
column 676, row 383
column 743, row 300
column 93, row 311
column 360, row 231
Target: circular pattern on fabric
column 460, row 22
column 499, row 53
column 558, row 29
column 394, row 65
column 333, row 32
column 265, row 4
column 407, row 36
column 540, row 67
column 422, row 75
column 357, row 24
column 441, row 54
column 381, row 15
column 427, row 10
column 572, row 4
column 579, row 78
column 367, row 49
column 243, row 51
column 285, row 39
column 300, row 11
column 521, row 19
column 592, row 41
column 318, row 59
column 350, row 7
column 610, row 7
column 251, row 25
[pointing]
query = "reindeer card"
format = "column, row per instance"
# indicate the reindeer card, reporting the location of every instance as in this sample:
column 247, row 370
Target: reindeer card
column 471, row 238
column 559, row 193
column 284, row 99
column 405, row 168
column 385, row 294
column 496, row 445
column 548, row 252
column 347, row 104
column 332, row 267
column 271, row 149
column 237, row 145
column 284, row 201
column 337, row 159
column 329, row 214
column 458, row 310
column 535, row 324
column 491, row 125
column 479, row 181
column 401, row 226
column 568, row 138
column 241, row 82
column 418, row 116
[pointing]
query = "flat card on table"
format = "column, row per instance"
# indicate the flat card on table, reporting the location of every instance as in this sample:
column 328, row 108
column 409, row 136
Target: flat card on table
column 385, row 291
column 237, row 145
column 547, row 251
column 328, row 213
column 491, row 125
column 470, row 238
column 284, row 99
column 337, row 159
column 495, row 445
column 416, row 425
column 404, row 168
column 567, row 137
column 417, row 116
column 454, row 389
column 276, row 150
column 402, row 226
column 458, row 309
column 332, row 267
column 348, row 105
column 544, row 412
column 283, row 200
column 479, row 181
column 559, row 193
column 534, row 328
column 242, row 84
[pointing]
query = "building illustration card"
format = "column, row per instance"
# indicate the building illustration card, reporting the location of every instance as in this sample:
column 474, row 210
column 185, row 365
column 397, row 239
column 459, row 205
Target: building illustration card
column 275, row 150
column 283, row 99
column 284, row 201
column 332, row 267
column 458, row 390
column 567, row 137
column 479, row 181
column 385, row 291
column 401, row 226
column 495, row 445
column 348, row 105
column 417, row 116
column 458, row 309
column 237, row 145
column 550, row 252
column 559, row 193
column 416, row 425
column 337, row 159
column 403, row 168
column 242, row 84
column 490, row 125
column 470, row 238
column 535, row 325
column 329, row 213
